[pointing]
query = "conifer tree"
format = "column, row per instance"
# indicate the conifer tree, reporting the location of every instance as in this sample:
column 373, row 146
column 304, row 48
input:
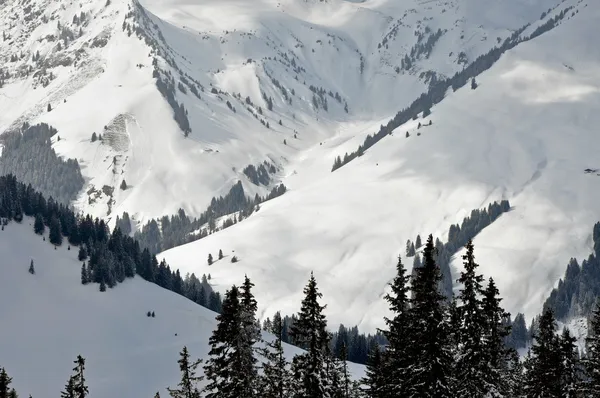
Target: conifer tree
column 84, row 274
column 5, row 382
column 31, row 268
column 225, row 366
column 418, row 242
column 69, row 391
column 543, row 365
column 497, row 328
column 249, row 335
column 78, row 379
column 430, row 357
column 55, row 231
column 398, row 334
column 275, row 380
column 38, row 224
column 220, row 254
column 189, row 379
column 309, row 333
column 472, row 374
column 82, row 255
column 210, row 259
column 592, row 360
column 375, row 381
column 570, row 370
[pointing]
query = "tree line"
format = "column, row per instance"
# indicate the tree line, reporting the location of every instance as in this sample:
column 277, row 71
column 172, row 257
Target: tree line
column 108, row 258
column 438, row 88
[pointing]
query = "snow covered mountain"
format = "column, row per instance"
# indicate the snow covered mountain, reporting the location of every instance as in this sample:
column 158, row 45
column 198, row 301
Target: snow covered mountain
column 49, row 318
column 187, row 94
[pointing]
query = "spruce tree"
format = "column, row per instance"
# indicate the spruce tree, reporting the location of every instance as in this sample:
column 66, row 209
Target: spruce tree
column 398, row 335
column 5, row 382
column 69, row 391
column 55, row 231
column 38, row 224
column 430, row 358
column 84, row 275
column 309, row 333
column 543, row 365
column 79, row 388
column 31, row 268
column 220, row 254
column 82, row 255
column 210, row 259
column 375, row 382
column 249, row 335
column 592, row 359
column 275, row 379
column 472, row 373
column 497, row 329
column 570, row 370
column 225, row 366
column 189, row 379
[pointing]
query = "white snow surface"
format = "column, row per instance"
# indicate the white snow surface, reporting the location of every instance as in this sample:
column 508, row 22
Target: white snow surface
column 525, row 134
column 50, row 317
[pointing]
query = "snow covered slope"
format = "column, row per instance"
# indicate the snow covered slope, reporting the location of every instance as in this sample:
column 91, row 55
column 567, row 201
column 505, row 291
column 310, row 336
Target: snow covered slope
column 527, row 134
column 50, row 317
column 96, row 63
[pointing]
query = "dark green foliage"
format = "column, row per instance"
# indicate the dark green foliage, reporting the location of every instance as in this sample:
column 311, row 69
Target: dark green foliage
column 82, row 255
column 31, row 268
column 260, row 174
column 55, row 232
column 431, row 359
column 38, row 225
column 84, row 275
column 189, row 380
column 166, row 86
column 310, row 333
column 28, row 154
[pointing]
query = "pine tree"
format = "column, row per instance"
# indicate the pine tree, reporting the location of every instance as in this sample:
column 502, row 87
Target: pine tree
column 375, row 383
column 224, row 368
column 472, row 373
column 570, row 370
column 55, row 231
column 430, row 357
column 592, row 360
column 275, row 379
column 38, row 224
column 84, row 275
column 543, row 365
column 5, row 382
column 189, row 380
column 79, row 389
column 82, row 255
column 69, row 391
column 210, row 259
column 31, row 268
column 309, row 333
column 418, row 242
column 497, row 328
column 249, row 335
column 394, row 369
column 220, row 254
column 102, row 285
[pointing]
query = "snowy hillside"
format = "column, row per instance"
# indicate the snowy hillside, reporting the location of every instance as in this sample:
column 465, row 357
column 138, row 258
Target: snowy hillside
column 527, row 134
column 322, row 68
column 49, row 318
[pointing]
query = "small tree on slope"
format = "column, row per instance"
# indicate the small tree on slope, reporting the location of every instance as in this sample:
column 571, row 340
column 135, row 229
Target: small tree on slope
column 187, row 385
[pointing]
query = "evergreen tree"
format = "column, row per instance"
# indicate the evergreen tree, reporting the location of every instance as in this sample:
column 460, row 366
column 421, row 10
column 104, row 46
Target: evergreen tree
column 69, row 391
column 220, row 254
column 472, row 373
column 82, row 255
column 79, row 388
column 397, row 334
column 55, row 231
column 225, row 366
column 5, row 382
column 275, row 380
column 102, row 286
column 410, row 248
column 418, row 242
column 84, row 275
column 187, row 385
column 543, row 366
column 38, row 225
column 249, row 335
column 309, row 333
column 210, row 259
column 431, row 361
column 570, row 370
column 497, row 328
column 592, row 360
column 31, row 268
column 375, row 382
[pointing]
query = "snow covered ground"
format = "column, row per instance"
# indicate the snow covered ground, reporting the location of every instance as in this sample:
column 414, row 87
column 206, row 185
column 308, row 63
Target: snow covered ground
column 526, row 134
column 50, row 317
